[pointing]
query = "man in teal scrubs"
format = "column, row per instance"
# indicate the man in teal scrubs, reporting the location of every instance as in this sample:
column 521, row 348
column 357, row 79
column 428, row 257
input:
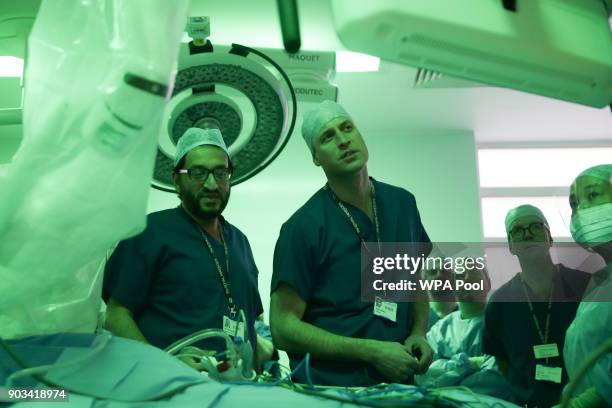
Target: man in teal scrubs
column 527, row 317
column 190, row 269
column 316, row 304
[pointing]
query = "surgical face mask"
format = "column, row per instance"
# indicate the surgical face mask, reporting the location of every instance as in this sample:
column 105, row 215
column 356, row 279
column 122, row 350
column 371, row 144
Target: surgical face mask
column 592, row 226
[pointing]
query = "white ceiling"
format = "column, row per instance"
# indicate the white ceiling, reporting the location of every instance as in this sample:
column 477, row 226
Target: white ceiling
column 386, row 101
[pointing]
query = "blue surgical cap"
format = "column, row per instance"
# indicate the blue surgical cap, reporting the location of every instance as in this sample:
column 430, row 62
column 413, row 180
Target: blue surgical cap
column 316, row 119
column 194, row 137
column 523, row 211
column 602, row 172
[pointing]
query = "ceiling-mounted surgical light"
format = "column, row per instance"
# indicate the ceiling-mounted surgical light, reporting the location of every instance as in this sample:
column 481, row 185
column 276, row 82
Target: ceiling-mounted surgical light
column 240, row 91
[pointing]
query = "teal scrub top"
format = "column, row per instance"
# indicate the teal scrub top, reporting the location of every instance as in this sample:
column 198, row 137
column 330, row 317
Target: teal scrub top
column 509, row 333
column 167, row 278
column 589, row 330
column 318, row 255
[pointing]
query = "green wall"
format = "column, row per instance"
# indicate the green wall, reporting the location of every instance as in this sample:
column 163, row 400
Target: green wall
column 440, row 169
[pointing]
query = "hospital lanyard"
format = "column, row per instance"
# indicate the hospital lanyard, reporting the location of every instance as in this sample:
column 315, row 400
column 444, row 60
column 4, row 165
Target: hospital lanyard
column 352, row 220
column 543, row 337
column 224, row 281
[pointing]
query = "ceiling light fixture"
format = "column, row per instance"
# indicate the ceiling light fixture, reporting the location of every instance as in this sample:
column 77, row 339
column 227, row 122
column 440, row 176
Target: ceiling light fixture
column 347, row 61
column 11, row 66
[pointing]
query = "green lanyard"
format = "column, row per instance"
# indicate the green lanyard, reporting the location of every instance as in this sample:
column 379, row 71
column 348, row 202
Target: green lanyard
column 226, row 285
column 352, row 220
column 543, row 336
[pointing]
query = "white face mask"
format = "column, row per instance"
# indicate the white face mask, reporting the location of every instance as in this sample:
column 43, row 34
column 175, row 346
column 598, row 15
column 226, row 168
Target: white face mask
column 592, row 226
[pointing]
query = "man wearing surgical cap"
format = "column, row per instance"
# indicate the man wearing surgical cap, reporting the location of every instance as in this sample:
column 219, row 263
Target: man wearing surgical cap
column 526, row 318
column 457, row 343
column 591, row 227
column 316, row 306
column 190, row 269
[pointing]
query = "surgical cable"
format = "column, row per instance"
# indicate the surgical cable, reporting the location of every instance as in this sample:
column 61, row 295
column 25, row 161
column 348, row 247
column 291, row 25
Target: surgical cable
column 280, row 381
column 198, row 336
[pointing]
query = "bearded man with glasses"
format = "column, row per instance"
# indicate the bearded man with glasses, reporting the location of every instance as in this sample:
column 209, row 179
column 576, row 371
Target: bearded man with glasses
column 527, row 317
column 190, row 269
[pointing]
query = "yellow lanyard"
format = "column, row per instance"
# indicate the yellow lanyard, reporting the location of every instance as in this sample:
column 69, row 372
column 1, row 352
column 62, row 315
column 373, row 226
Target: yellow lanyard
column 226, row 285
column 543, row 336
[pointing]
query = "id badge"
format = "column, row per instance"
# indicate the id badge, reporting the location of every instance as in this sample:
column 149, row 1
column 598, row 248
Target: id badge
column 546, row 350
column 545, row 373
column 387, row 310
column 232, row 327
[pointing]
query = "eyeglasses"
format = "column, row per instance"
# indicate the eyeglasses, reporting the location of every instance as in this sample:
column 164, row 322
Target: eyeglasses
column 535, row 228
column 202, row 173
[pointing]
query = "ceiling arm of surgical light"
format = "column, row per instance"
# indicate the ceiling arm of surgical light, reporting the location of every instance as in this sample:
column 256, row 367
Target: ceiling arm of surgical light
column 509, row 5
column 198, row 28
column 290, row 25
